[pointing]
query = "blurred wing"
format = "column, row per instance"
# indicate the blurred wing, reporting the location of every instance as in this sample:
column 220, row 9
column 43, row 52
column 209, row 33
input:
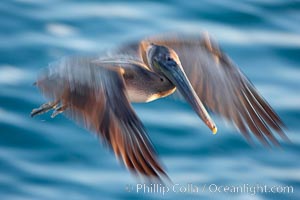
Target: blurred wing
column 220, row 85
column 97, row 97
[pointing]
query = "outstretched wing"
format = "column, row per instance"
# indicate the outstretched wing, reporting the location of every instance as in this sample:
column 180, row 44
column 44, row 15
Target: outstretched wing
column 221, row 86
column 97, row 97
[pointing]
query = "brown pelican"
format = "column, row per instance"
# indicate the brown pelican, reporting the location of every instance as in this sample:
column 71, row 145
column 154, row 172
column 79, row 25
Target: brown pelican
column 97, row 91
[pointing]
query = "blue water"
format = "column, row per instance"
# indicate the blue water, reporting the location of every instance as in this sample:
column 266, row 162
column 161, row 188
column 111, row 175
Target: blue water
column 44, row 158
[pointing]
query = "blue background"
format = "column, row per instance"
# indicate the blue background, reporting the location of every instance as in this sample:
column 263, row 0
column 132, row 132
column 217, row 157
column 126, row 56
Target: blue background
column 44, row 158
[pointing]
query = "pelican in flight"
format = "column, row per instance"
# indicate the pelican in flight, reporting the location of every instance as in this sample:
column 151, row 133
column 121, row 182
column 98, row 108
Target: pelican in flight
column 98, row 90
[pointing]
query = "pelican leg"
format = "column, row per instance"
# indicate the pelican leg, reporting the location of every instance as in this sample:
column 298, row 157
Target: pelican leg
column 44, row 108
column 58, row 110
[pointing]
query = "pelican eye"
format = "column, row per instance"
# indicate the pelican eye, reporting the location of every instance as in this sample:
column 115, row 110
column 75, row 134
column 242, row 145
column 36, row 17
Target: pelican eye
column 169, row 58
column 161, row 79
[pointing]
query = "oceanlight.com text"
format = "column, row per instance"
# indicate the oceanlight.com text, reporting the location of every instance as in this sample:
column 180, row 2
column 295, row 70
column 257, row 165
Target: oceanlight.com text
column 251, row 189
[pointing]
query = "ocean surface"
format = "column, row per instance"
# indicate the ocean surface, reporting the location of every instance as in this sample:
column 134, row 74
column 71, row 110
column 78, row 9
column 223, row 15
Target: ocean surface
column 52, row 159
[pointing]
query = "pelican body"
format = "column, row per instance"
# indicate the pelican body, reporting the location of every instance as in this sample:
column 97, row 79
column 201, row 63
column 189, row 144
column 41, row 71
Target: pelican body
column 97, row 91
column 143, row 85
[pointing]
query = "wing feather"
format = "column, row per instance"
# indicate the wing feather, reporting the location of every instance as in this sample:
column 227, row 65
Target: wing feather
column 96, row 97
column 220, row 85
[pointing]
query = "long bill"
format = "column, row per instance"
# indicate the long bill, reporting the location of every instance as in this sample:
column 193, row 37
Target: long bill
column 180, row 80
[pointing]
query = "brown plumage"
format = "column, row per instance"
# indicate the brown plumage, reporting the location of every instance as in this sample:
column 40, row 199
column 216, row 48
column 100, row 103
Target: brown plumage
column 220, row 85
column 96, row 97
column 97, row 91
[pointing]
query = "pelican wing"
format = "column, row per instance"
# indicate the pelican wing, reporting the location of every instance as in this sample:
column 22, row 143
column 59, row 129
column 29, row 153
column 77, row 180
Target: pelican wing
column 96, row 96
column 222, row 87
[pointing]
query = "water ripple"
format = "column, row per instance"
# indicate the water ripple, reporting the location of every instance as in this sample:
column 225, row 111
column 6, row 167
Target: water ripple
column 44, row 158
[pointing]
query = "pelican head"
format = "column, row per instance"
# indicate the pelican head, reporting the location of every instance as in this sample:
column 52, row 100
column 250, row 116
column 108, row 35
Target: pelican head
column 165, row 61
